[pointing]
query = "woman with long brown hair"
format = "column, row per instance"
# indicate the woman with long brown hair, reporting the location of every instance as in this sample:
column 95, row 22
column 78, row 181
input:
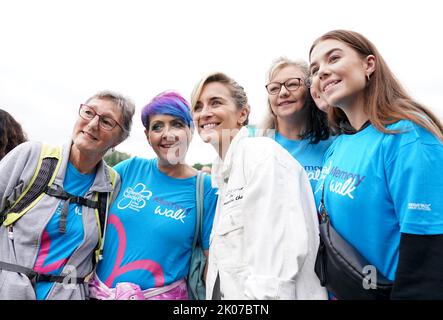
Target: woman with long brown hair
column 382, row 178
column 11, row 133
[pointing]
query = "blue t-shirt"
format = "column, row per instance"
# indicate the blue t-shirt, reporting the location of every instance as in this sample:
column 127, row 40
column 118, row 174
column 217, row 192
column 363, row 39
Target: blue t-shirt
column 309, row 155
column 56, row 248
column 380, row 185
column 151, row 226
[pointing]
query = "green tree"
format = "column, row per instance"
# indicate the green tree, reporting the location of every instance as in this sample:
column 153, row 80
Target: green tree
column 115, row 157
column 199, row 166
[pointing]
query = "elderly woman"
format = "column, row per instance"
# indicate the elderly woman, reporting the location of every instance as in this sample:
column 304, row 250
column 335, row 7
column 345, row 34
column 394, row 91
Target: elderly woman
column 48, row 239
column 300, row 126
column 264, row 239
column 152, row 223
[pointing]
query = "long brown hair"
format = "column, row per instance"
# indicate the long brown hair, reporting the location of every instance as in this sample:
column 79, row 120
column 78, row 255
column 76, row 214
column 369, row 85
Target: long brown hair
column 11, row 133
column 386, row 100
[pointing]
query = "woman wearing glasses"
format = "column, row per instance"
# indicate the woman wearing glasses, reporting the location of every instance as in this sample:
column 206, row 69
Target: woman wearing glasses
column 300, row 127
column 265, row 236
column 383, row 179
column 47, row 249
column 150, row 234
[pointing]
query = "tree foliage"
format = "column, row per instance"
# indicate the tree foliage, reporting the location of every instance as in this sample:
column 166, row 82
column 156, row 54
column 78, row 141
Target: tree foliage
column 199, row 166
column 115, row 157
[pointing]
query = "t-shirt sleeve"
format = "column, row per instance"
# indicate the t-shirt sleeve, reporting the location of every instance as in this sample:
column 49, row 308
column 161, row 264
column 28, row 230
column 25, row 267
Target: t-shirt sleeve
column 210, row 203
column 415, row 175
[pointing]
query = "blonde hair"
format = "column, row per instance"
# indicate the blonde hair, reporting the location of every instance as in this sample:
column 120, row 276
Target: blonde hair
column 386, row 100
column 237, row 91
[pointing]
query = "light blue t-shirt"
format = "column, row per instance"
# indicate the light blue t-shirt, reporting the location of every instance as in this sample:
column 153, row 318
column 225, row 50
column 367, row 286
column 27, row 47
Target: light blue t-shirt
column 309, row 155
column 380, row 185
column 56, row 248
column 151, row 226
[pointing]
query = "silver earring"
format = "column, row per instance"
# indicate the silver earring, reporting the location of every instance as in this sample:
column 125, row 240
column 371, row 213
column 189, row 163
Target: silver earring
column 368, row 77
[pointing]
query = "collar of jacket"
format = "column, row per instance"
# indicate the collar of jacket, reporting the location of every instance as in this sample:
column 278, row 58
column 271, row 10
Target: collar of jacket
column 222, row 168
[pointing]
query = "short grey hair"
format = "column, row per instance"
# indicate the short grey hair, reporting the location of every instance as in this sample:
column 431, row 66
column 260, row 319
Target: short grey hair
column 125, row 105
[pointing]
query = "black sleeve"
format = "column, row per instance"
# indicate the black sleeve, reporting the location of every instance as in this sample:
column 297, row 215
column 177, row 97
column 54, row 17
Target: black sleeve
column 420, row 267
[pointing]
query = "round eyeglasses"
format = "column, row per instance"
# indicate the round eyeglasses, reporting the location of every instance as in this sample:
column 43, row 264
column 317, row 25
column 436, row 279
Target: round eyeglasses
column 105, row 122
column 291, row 84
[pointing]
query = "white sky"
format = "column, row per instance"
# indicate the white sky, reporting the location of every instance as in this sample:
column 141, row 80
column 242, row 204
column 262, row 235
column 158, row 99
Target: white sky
column 55, row 54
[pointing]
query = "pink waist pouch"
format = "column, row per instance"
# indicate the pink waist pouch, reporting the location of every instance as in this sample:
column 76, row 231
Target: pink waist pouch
column 131, row 291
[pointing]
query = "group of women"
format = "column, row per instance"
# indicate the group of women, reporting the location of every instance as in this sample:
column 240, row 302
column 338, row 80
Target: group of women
column 339, row 131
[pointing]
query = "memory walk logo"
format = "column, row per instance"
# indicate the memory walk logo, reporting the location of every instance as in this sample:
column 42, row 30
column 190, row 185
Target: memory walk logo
column 135, row 198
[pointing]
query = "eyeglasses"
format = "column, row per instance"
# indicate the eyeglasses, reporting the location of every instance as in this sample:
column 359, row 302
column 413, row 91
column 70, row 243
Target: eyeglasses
column 105, row 122
column 291, row 84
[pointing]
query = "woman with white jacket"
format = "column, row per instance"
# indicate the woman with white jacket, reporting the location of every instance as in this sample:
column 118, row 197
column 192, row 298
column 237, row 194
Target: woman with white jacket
column 265, row 232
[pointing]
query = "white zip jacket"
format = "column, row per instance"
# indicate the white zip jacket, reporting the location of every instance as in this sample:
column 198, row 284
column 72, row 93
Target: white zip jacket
column 265, row 233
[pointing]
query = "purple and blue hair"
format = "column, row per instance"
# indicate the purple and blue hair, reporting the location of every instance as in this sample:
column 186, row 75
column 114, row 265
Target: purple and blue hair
column 169, row 103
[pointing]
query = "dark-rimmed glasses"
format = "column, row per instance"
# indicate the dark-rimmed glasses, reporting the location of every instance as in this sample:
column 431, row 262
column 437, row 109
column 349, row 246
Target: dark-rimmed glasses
column 105, row 122
column 291, row 84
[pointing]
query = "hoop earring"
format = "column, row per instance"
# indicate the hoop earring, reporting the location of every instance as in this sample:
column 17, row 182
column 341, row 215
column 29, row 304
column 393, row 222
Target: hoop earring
column 368, row 77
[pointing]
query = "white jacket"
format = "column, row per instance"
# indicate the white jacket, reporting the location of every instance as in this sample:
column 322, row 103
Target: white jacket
column 265, row 233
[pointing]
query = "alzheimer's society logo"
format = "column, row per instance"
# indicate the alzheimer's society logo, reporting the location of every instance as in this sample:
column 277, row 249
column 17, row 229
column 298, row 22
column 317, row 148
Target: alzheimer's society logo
column 135, row 198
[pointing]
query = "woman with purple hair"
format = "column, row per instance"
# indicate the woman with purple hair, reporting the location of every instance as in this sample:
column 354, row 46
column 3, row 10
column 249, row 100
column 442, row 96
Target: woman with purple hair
column 150, row 231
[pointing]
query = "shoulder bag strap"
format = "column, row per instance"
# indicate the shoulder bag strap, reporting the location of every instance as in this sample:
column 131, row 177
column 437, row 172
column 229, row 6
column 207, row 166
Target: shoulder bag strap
column 199, row 199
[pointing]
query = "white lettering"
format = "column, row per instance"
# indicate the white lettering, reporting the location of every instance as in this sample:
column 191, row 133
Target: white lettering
column 177, row 215
column 70, row 277
column 419, row 206
column 78, row 210
column 190, row 310
column 324, row 172
column 344, row 189
column 370, row 279
column 314, row 175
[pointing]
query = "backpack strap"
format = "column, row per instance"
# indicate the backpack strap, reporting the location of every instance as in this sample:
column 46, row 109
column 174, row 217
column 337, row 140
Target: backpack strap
column 194, row 278
column 40, row 184
column 35, row 276
column 46, row 171
column 47, row 168
column 69, row 198
column 104, row 199
column 100, row 204
column 199, row 198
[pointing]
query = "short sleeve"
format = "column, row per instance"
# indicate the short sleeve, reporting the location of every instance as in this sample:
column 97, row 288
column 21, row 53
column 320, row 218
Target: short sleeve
column 415, row 181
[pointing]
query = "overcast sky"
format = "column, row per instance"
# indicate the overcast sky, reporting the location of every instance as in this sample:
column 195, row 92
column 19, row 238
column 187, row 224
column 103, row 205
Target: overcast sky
column 55, row 54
